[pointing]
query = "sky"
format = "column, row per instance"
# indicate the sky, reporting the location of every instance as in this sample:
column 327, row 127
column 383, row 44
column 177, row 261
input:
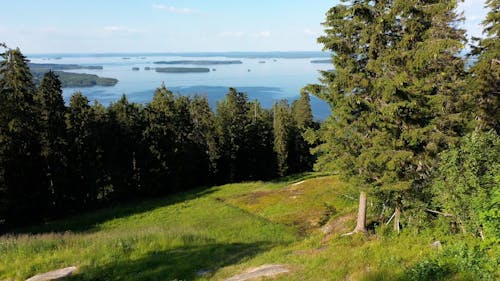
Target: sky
column 104, row 26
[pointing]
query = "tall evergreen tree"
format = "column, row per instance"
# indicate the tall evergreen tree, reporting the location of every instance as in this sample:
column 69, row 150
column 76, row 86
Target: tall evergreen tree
column 21, row 164
column 282, row 135
column 160, row 137
column 124, row 149
column 232, row 122
column 53, row 135
column 204, row 136
column 259, row 141
column 301, row 158
column 187, row 155
column 395, row 94
column 485, row 79
column 100, row 136
column 82, row 158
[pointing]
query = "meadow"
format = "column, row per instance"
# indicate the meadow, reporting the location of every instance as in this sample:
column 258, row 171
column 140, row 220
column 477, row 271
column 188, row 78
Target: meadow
column 215, row 233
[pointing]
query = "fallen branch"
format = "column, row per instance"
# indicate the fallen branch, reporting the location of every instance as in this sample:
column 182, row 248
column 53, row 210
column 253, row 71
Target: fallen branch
column 354, row 232
column 390, row 219
column 439, row 213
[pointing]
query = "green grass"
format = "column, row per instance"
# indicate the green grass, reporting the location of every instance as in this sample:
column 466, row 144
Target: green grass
column 223, row 231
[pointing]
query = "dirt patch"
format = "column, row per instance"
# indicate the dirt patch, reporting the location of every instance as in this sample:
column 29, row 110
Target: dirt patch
column 267, row 270
column 254, row 197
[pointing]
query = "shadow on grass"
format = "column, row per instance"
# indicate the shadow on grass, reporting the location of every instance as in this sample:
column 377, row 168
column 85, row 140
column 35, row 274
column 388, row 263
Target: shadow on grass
column 89, row 221
column 420, row 273
column 183, row 263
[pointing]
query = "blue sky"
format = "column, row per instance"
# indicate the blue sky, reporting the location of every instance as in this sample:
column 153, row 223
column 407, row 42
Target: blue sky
column 97, row 26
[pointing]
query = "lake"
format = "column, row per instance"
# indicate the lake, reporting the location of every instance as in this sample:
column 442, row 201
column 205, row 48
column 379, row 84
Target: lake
column 267, row 77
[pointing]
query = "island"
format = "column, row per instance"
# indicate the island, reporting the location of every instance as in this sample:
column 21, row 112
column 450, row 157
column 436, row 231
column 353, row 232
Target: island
column 182, row 69
column 200, row 62
column 56, row 66
column 322, row 61
column 70, row 79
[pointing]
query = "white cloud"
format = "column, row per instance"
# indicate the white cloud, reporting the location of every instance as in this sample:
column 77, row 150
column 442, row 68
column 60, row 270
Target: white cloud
column 262, row 34
column 231, row 34
column 117, row 28
column 176, row 10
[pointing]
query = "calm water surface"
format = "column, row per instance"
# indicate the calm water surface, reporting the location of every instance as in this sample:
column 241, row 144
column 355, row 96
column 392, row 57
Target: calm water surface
column 266, row 79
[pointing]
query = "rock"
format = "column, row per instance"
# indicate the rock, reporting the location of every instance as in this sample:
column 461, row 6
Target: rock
column 55, row 275
column 436, row 244
column 338, row 225
column 266, row 270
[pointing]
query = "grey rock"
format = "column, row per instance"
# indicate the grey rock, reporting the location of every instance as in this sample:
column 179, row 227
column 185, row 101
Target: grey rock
column 266, row 270
column 59, row 274
column 436, row 244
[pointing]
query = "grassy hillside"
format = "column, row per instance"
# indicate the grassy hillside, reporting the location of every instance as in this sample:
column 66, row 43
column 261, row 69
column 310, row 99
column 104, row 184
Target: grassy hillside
column 214, row 233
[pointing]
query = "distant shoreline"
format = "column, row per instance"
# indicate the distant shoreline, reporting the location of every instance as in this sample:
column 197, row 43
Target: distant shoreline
column 251, row 55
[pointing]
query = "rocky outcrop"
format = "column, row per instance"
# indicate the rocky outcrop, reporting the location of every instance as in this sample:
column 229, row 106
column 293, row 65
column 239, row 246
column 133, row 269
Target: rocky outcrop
column 56, row 275
column 267, row 270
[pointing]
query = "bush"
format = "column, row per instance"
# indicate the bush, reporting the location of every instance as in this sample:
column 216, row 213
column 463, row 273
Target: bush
column 463, row 261
column 468, row 184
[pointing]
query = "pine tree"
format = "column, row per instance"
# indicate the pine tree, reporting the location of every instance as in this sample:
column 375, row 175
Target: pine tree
column 485, row 79
column 395, row 95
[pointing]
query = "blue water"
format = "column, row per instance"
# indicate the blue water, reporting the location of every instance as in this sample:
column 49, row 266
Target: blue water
column 266, row 77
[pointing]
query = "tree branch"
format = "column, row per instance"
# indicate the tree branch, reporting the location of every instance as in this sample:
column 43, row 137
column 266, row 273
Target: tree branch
column 439, row 213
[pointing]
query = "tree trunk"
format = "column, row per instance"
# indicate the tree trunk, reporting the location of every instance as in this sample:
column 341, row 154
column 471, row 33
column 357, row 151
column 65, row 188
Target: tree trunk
column 397, row 218
column 361, row 223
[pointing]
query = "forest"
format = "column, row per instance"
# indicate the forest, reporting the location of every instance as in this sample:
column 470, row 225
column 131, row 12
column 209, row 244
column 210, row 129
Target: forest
column 413, row 127
column 58, row 159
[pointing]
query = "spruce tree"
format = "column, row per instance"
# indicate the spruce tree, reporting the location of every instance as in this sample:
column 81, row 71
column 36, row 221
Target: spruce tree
column 232, row 121
column 160, row 137
column 259, row 143
column 53, row 135
column 395, row 95
column 124, row 149
column 282, row 135
column 301, row 158
column 204, row 136
column 21, row 165
column 485, row 78
column 82, row 154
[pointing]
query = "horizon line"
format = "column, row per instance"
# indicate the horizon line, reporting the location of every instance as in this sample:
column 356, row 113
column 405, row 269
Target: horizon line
column 174, row 52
